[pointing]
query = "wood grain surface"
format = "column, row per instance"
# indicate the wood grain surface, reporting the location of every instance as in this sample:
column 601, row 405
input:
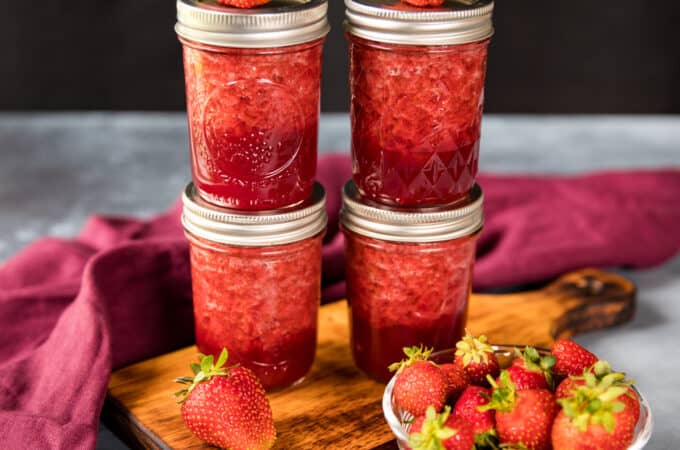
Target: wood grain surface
column 336, row 406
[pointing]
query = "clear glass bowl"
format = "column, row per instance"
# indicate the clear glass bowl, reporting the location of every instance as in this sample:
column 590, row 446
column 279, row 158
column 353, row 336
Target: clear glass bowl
column 399, row 420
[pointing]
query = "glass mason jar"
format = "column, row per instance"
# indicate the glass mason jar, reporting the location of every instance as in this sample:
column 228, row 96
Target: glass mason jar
column 417, row 82
column 256, row 280
column 409, row 274
column 252, row 81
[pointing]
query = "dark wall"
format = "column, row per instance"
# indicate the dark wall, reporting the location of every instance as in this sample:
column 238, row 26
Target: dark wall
column 546, row 57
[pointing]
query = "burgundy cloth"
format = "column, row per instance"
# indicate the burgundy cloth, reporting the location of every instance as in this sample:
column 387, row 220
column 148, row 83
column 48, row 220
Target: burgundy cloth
column 71, row 310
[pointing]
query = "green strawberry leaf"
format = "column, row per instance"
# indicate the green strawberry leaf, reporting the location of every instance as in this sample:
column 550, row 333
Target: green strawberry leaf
column 222, row 359
column 204, row 371
column 207, row 363
column 195, row 367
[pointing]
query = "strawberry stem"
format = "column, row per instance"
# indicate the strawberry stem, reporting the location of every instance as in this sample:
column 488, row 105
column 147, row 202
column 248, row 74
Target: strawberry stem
column 433, row 431
column 414, row 354
column 595, row 402
column 473, row 349
column 204, row 370
column 503, row 395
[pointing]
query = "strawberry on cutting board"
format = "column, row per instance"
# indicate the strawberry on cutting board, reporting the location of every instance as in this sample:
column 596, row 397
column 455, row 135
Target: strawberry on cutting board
column 226, row 406
column 594, row 417
column 571, row 358
column 523, row 417
column 440, row 432
column 477, row 359
column 419, row 383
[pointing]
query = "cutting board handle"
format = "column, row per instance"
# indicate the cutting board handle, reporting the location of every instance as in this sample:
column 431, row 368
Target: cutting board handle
column 580, row 301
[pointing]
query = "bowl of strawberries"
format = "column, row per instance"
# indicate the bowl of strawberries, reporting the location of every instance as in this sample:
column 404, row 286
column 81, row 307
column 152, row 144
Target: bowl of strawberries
column 477, row 396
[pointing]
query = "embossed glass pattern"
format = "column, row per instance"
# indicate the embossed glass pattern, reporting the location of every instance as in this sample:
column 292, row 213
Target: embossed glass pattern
column 253, row 122
column 416, row 114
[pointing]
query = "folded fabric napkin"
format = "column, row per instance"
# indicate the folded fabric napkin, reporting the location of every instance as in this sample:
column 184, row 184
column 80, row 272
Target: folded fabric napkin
column 71, row 310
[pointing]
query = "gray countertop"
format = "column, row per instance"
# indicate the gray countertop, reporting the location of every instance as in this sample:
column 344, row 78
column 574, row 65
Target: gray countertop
column 57, row 169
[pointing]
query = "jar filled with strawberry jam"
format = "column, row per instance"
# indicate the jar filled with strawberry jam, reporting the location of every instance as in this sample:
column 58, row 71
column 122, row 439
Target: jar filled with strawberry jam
column 417, row 81
column 409, row 273
column 252, row 79
column 256, row 279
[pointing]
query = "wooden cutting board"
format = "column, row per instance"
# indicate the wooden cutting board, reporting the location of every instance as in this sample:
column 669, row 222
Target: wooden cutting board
column 336, row 406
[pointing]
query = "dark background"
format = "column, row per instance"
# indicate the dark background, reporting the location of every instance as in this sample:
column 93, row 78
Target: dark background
column 546, row 57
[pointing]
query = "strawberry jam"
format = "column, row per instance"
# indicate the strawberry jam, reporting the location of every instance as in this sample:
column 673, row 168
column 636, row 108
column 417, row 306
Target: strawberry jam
column 416, row 113
column 261, row 303
column 253, row 122
column 417, row 82
column 409, row 276
column 256, row 282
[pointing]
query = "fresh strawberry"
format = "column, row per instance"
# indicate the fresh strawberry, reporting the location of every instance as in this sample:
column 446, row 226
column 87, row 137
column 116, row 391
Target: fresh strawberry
column 420, row 383
column 571, row 358
column 569, row 384
column 458, row 381
column 531, row 371
column 477, row 359
column 423, row 3
column 601, row 374
column 243, row 3
column 483, row 422
column 522, row 417
column 440, row 431
column 632, row 402
column 594, row 418
column 226, row 406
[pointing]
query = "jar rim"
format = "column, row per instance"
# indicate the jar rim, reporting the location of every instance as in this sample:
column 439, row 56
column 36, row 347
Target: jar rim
column 415, row 225
column 253, row 228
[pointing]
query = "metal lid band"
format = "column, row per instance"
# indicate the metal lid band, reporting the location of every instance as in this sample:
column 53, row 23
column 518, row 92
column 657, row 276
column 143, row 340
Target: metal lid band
column 257, row 228
column 413, row 225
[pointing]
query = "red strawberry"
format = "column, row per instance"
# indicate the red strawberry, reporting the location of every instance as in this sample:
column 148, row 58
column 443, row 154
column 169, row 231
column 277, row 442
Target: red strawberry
column 458, row 380
column 600, row 374
column 525, row 379
column 531, row 371
column 243, row 3
column 477, row 359
column 440, row 431
column 594, row 418
column 226, row 407
column 422, row 3
column 483, row 422
column 522, row 417
column 569, row 384
column 419, row 383
column 571, row 358
column 632, row 402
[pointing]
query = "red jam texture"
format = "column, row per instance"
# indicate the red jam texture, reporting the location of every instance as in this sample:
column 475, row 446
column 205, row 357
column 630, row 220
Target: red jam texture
column 416, row 113
column 253, row 123
column 261, row 303
column 403, row 294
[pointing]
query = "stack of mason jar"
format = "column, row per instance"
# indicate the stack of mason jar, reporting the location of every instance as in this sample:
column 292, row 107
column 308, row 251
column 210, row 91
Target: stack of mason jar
column 254, row 216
